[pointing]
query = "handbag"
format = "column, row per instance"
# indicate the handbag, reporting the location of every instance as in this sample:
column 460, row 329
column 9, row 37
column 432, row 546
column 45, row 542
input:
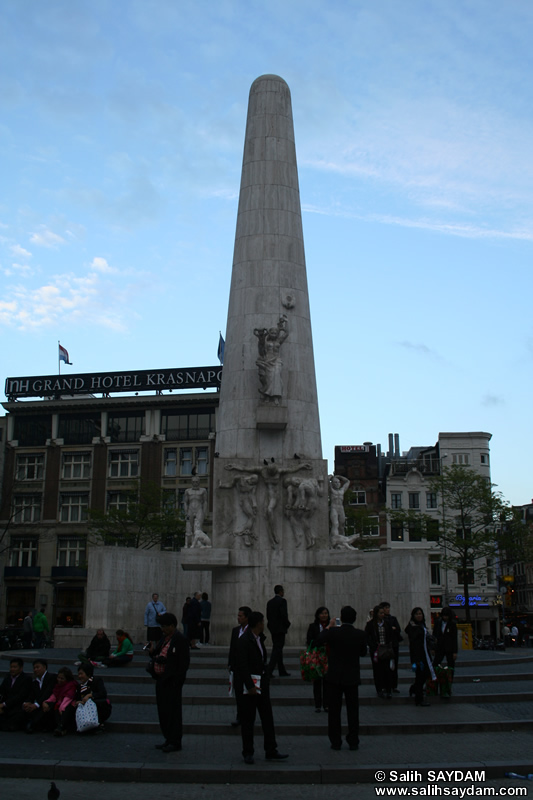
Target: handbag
column 86, row 716
column 385, row 652
column 313, row 663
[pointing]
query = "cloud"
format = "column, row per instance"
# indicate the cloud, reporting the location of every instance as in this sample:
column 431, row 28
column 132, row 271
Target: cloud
column 19, row 251
column 46, row 238
column 17, row 269
column 421, row 349
column 492, row 400
column 100, row 265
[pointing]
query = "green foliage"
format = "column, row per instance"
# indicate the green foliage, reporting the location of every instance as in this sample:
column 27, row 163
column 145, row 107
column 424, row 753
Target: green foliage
column 361, row 521
column 147, row 521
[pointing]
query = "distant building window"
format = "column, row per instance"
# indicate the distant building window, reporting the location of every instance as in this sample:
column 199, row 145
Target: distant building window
column 358, row 498
column 171, row 463
column 485, row 458
column 396, row 500
column 435, row 574
column 76, row 465
column 125, row 427
column 371, row 526
column 123, row 463
column 73, row 507
column 117, row 501
column 185, row 461
column 461, row 458
column 202, row 460
column 415, row 532
column 469, row 575
column 431, row 499
column 79, row 428
column 26, row 508
column 71, row 552
column 30, row 467
column 396, row 533
column 414, row 500
column 32, row 431
column 23, row 552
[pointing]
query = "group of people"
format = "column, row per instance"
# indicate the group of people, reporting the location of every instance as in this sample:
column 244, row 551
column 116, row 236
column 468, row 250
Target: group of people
column 35, row 629
column 195, row 619
column 98, row 653
column 48, row 701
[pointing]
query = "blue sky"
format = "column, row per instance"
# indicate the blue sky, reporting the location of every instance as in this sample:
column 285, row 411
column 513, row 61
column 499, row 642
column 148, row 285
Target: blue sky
column 121, row 140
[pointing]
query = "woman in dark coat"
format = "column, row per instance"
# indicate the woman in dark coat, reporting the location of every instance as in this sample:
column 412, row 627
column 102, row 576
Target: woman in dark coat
column 314, row 630
column 378, row 632
column 419, row 654
column 445, row 632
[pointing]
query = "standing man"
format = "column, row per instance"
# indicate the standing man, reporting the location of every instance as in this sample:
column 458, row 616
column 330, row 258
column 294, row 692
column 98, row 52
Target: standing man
column 40, row 628
column 397, row 637
column 151, row 613
column 445, row 632
column 242, row 625
column 27, row 630
column 194, row 616
column 346, row 645
column 170, row 658
column 252, row 680
column 278, row 625
column 205, row 617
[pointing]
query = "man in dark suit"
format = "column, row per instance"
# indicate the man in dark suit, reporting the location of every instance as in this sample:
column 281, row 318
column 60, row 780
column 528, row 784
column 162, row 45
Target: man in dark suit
column 397, row 637
column 242, row 618
column 346, row 645
column 171, row 659
column 13, row 692
column 252, row 680
column 42, row 686
column 278, row 624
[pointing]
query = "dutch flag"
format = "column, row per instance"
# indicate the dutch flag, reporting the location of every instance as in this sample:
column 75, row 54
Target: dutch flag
column 63, row 355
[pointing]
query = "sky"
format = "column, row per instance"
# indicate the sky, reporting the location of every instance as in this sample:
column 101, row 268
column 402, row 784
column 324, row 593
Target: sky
column 121, row 141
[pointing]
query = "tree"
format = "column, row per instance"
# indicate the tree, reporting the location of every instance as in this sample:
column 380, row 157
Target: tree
column 466, row 523
column 146, row 518
column 360, row 520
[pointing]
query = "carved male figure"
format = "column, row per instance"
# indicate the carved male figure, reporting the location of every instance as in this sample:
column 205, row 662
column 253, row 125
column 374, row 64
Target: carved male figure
column 194, row 505
column 269, row 363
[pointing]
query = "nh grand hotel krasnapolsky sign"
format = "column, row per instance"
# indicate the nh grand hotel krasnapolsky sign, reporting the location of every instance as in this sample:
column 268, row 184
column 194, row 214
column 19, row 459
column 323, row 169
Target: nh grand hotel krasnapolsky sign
column 111, row 382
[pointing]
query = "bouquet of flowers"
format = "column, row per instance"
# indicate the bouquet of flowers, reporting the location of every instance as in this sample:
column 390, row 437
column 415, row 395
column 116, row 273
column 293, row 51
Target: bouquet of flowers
column 313, row 663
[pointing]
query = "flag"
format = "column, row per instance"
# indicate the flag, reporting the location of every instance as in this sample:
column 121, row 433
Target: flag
column 221, row 345
column 63, row 355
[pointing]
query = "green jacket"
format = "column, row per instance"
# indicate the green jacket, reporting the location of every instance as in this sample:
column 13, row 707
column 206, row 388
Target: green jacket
column 40, row 623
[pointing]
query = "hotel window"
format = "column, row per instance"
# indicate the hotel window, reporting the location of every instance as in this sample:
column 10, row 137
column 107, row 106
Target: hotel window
column 26, row 508
column 125, row 427
column 371, row 526
column 431, row 499
column 396, row 500
column 358, row 498
column 124, row 464
column 202, row 460
column 414, row 500
column 74, row 507
column 32, row 431
column 185, row 461
column 71, row 552
column 118, row 501
column 30, row 467
column 185, row 425
column 170, row 469
column 79, row 428
column 76, row 466
column 23, row 552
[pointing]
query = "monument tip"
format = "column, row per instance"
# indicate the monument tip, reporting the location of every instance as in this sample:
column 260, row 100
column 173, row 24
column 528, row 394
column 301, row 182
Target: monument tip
column 262, row 78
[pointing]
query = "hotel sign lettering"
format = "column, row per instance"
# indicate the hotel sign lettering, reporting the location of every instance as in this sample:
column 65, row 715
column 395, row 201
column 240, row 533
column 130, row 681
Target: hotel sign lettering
column 107, row 382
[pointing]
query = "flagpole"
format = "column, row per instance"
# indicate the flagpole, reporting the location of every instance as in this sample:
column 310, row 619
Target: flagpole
column 58, row 357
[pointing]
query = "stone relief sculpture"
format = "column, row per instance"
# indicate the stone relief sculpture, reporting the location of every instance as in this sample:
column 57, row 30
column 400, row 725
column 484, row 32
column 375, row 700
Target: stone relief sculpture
column 245, row 486
column 302, row 502
column 269, row 363
column 337, row 489
column 194, row 505
column 200, row 538
column 271, row 474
